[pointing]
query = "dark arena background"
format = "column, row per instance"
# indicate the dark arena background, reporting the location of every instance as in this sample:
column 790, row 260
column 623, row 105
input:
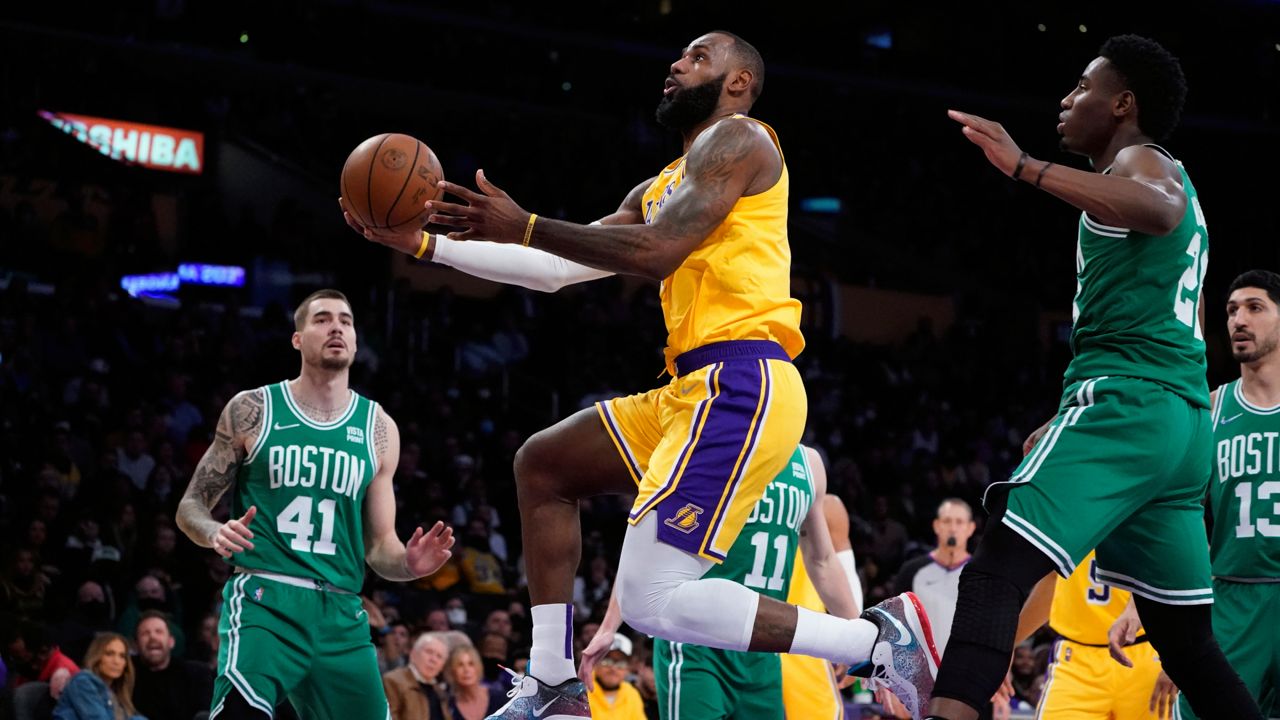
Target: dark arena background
column 168, row 194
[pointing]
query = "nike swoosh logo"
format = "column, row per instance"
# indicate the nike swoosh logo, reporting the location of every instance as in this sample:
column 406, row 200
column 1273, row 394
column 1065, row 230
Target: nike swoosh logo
column 286, row 427
column 686, row 389
column 904, row 636
column 538, row 711
column 1227, row 420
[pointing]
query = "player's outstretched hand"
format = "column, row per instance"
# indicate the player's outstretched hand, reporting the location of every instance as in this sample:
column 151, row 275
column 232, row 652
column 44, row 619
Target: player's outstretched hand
column 1122, row 633
column 591, row 654
column 1000, row 149
column 427, row 552
column 407, row 241
column 490, row 214
column 234, row 536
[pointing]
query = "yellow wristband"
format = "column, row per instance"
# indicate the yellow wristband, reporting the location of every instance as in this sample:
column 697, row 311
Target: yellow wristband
column 426, row 240
column 528, row 230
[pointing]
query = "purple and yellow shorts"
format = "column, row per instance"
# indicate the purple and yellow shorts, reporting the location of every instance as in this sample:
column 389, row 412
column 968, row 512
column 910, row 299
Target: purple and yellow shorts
column 703, row 448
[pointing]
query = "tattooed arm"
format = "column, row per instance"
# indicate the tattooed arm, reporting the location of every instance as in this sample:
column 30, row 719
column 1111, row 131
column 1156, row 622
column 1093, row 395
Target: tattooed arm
column 732, row 159
column 237, row 428
column 390, row 558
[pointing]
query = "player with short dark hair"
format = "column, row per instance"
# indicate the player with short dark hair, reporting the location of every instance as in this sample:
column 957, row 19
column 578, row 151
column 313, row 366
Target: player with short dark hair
column 1124, row 464
column 315, row 459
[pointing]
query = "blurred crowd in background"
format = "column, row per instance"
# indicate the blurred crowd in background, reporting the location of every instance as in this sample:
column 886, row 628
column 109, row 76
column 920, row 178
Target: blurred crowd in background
column 107, row 401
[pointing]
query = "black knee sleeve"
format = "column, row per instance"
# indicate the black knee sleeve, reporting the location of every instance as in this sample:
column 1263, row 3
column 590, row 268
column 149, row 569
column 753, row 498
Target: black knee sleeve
column 993, row 588
column 235, row 707
column 1189, row 654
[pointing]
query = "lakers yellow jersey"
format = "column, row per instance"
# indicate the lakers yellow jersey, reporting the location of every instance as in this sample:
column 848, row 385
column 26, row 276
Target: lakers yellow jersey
column 736, row 285
column 1084, row 608
column 802, row 591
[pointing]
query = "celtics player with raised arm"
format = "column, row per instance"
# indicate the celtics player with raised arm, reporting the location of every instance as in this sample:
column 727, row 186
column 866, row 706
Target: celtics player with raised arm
column 1124, row 464
column 311, row 463
column 695, row 681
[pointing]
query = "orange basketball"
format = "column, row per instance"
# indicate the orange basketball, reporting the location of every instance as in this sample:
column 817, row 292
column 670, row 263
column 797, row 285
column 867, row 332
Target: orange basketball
column 386, row 180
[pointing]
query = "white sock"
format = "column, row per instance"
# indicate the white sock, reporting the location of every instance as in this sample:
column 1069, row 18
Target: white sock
column 551, row 658
column 832, row 638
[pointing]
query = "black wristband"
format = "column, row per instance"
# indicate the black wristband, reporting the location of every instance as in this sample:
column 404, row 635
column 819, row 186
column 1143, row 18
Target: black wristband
column 1043, row 170
column 1022, row 161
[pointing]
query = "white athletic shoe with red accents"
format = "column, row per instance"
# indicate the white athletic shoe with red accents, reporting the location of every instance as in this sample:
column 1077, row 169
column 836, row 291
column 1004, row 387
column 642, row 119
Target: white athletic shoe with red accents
column 904, row 658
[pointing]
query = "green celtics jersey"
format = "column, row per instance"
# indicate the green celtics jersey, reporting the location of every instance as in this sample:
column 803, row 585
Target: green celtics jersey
column 1244, row 494
column 308, row 480
column 1137, row 297
column 762, row 556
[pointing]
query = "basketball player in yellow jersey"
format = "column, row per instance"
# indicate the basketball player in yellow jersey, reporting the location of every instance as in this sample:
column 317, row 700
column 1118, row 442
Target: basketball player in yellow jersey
column 711, row 230
column 1084, row 683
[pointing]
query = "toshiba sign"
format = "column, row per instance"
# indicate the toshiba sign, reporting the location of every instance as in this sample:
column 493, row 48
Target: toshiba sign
column 153, row 146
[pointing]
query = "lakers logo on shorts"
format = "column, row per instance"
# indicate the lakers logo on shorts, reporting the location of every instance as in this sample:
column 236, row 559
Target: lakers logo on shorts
column 686, row 518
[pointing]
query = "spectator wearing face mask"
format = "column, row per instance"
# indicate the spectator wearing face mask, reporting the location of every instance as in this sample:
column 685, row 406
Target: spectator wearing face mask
column 456, row 612
column 90, row 616
column 495, row 654
column 151, row 593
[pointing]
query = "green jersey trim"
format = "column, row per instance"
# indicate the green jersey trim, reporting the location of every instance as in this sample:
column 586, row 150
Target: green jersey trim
column 315, row 425
column 808, row 475
column 368, row 442
column 266, row 424
column 1256, row 410
column 1105, row 230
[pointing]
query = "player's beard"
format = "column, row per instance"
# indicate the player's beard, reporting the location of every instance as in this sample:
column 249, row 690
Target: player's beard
column 334, row 364
column 683, row 109
column 1262, row 348
column 328, row 363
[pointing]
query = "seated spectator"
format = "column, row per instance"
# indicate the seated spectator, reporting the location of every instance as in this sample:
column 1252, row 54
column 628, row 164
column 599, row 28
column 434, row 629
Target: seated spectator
column 104, row 691
column 495, row 653
column 134, row 461
column 613, row 697
column 205, row 649
column 394, row 651
column 456, row 612
column 152, row 593
column 592, row 591
column 1027, row 679
column 438, row 620
column 472, row 699
column 480, row 567
column 167, row 687
column 36, row 658
column 416, row 691
column 23, row 586
column 90, row 616
column 498, row 621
